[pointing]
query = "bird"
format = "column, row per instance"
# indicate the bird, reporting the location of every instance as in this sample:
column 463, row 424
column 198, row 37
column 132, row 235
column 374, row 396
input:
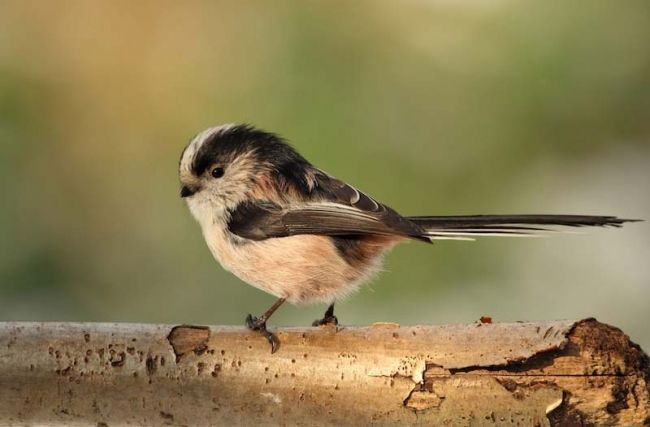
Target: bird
column 286, row 227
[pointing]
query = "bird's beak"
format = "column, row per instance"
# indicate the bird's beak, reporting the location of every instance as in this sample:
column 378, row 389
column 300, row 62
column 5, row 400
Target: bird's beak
column 187, row 191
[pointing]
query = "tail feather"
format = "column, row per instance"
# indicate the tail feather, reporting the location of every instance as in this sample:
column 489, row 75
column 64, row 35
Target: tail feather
column 468, row 227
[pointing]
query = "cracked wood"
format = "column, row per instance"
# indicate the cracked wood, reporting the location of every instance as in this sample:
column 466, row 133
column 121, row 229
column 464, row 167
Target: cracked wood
column 542, row 373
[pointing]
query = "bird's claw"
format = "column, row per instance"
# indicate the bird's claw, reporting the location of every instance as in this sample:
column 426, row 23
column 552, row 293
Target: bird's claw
column 326, row 320
column 253, row 323
column 259, row 325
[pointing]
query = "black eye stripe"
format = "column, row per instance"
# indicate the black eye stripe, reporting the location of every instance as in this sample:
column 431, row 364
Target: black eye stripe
column 217, row 172
column 224, row 145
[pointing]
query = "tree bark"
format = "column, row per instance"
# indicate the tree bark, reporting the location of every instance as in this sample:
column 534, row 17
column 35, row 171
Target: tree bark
column 537, row 373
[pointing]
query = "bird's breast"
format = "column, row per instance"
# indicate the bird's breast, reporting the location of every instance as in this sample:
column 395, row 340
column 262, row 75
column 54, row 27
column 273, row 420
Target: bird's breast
column 302, row 268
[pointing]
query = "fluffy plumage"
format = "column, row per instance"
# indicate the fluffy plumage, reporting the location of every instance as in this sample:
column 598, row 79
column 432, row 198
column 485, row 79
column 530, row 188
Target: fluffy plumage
column 290, row 229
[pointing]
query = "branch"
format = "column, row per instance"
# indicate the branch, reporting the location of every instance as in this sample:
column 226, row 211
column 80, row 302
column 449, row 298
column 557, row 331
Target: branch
column 545, row 373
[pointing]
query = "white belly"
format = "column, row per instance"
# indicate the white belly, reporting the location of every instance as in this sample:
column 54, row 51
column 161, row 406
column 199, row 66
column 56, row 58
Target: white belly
column 302, row 269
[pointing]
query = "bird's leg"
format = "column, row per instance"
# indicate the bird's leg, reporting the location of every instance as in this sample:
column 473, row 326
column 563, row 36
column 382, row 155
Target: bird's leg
column 259, row 324
column 328, row 318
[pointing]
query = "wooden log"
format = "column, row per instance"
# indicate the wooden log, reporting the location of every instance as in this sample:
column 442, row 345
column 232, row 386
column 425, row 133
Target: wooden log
column 529, row 373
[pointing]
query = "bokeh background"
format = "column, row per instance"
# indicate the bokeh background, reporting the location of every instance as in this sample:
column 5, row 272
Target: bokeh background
column 434, row 107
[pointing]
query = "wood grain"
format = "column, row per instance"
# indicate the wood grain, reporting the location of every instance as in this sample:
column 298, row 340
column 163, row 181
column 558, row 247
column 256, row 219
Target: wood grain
column 531, row 373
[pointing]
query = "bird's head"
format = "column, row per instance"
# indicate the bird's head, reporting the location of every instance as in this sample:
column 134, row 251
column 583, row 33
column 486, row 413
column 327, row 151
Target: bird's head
column 228, row 164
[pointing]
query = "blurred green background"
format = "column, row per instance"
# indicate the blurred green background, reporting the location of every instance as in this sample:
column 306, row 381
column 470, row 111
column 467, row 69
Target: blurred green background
column 434, row 107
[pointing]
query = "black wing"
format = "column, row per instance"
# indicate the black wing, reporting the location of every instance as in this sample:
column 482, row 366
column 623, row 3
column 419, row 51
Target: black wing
column 332, row 208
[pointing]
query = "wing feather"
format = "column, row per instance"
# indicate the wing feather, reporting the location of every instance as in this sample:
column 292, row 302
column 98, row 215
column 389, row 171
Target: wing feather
column 333, row 208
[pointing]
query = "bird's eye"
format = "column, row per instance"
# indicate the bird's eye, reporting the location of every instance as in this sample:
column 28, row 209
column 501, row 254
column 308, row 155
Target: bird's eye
column 217, row 172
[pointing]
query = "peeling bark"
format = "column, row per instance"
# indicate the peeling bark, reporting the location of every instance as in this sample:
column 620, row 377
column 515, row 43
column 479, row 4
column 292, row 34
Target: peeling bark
column 545, row 373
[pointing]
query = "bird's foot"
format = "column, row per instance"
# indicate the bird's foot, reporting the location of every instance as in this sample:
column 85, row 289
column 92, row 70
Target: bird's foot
column 328, row 318
column 325, row 321
column 259, row 325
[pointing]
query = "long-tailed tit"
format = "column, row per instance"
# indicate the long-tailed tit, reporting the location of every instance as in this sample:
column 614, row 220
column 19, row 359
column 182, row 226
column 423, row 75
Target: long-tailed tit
column 290, row 229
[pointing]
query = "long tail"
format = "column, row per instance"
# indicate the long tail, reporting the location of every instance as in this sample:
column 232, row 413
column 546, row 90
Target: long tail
column 469, row 227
